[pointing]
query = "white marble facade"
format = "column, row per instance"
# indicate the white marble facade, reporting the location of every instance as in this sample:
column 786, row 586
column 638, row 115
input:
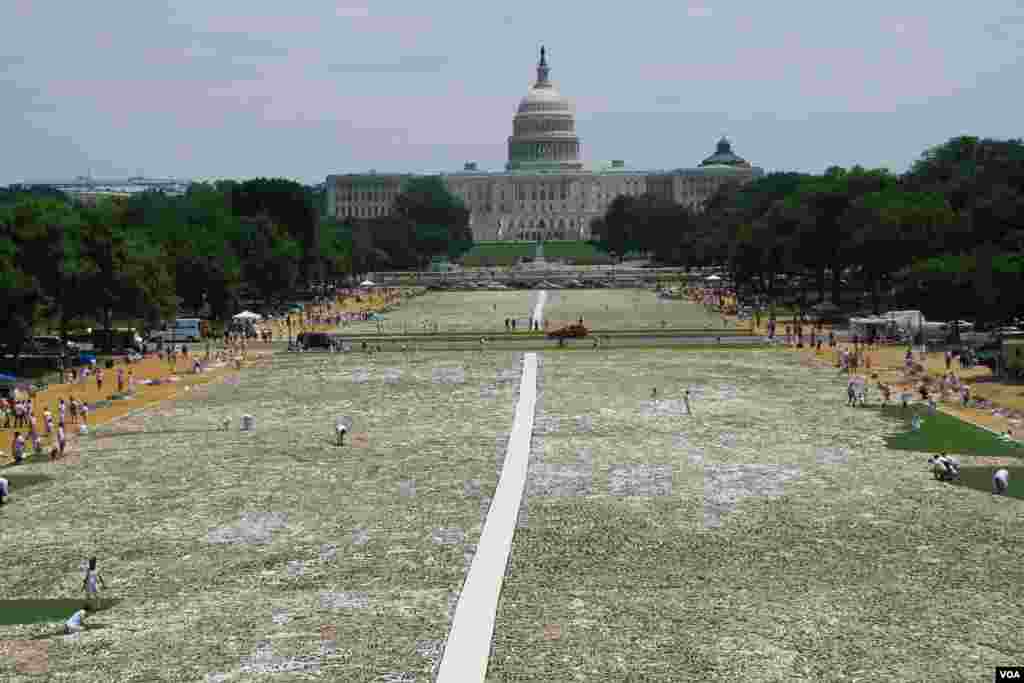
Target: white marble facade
column 545, row 192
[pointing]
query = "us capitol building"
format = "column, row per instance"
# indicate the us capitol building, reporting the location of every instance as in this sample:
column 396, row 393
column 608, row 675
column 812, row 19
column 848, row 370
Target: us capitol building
column 545, row 192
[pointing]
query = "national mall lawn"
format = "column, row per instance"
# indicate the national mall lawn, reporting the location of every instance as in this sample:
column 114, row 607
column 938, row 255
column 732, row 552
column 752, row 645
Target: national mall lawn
column 771, row 533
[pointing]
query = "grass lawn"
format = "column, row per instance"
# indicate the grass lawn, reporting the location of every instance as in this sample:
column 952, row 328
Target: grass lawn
column 941, row 433
column 497, row 253
column 770, row 536
column 454, row 312
column 617, row 309
column 509, row 253
column 234, row 551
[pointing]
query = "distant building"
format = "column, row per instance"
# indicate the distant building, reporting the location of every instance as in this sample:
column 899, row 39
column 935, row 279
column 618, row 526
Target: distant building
column 88, row 189
column 545, row 191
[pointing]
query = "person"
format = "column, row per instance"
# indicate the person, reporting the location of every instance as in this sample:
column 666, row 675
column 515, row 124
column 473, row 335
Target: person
column 916, row 423
column 966, row 395
column 61, row 440
column 5, row 490
column 99, row 380
column 92, row 582
column 851, row 392
column 654, row 393
column 884, row 388
column 18, row 448
column 74, row 411
column 74, row 624
column 1001, row 482
column 686, row 401
column 340, row 429
column 945, row 467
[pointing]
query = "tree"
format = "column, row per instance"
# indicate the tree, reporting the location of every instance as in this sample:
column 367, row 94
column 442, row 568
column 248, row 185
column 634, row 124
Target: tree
column 440, row 220
column 129, row 271
column 271, row 258
column 291, row 206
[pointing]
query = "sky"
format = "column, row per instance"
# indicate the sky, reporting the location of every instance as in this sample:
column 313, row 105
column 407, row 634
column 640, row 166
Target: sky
column 240, row 89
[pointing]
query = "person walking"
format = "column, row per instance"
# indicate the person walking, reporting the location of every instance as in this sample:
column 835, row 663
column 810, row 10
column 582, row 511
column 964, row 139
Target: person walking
column 5, row 490
column 61, row 440
column 686, row 401
column 92, row 582
column 18, row 448
column 340, row 430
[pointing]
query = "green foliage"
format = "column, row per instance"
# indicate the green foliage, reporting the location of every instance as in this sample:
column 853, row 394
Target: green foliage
column 427, row 221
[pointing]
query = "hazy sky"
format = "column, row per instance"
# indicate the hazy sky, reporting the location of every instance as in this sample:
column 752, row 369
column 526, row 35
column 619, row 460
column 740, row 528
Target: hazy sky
column 232, row 88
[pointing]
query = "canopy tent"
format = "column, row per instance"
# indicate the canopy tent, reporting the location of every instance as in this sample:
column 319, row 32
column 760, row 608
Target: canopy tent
column 247, row 315
column 367, row 283
column 712, row 277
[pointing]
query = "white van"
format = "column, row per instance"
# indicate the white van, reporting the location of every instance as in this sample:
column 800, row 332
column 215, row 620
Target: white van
column 181, row 330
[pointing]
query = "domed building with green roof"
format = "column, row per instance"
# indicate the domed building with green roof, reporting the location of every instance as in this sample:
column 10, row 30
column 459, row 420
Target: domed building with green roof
column 545, row 191
column 724, row 156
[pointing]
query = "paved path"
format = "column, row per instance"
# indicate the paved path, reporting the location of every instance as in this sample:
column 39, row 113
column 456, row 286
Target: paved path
column 469, row 641
column 538, row 310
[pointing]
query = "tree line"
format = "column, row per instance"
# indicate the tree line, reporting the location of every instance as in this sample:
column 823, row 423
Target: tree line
column 151, row 256
column 946, row 237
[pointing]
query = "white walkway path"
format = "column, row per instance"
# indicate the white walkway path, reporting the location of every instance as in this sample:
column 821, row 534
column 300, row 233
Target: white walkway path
column 469, row 641
column 538, row 309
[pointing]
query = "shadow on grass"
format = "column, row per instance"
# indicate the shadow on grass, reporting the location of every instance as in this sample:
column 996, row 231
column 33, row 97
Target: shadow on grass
column 40, row 610
column 980, row 479
column 60, row 631
column 942, row 433
column 20, row 481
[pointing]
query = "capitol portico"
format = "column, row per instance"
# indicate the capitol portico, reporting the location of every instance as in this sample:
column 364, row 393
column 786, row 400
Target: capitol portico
column 545, row 191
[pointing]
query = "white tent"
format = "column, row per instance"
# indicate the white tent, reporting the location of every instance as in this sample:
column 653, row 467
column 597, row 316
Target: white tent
column 367, row 283
column 247, row 315
column 712, row 277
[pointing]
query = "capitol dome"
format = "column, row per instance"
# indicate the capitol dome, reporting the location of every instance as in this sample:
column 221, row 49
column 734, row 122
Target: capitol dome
column 544, row 128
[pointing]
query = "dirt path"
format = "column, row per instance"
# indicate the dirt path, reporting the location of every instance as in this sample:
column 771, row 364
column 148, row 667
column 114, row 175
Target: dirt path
column 176, row 380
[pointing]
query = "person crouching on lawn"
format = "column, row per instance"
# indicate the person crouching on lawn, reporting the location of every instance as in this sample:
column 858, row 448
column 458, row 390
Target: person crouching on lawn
column 74, row 624
column 89, row 583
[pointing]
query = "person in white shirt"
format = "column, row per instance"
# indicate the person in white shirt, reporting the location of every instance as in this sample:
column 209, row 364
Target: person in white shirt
column 92, row 582
column 5, row 489
column 340, row 429
column 74, row 624
column 1000, row 482
column 686, row 400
